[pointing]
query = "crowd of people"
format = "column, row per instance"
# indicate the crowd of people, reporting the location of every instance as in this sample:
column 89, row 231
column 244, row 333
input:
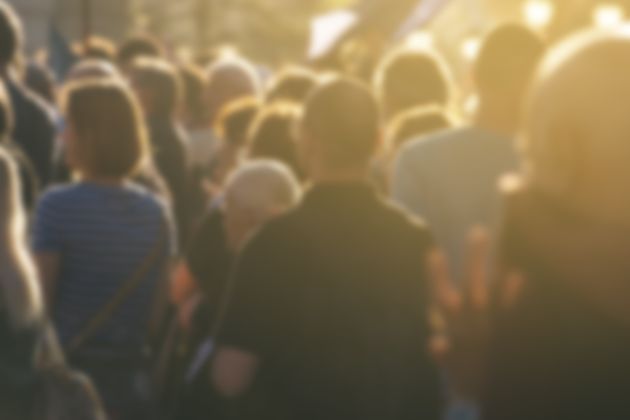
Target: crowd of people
column 182, row 241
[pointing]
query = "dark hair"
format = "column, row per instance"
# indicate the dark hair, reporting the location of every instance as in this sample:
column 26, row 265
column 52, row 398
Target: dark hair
column 160, row 80
column 193, row 82
column 342, row 116
column 407, row 79
column 235, row 119
column 6, row 115
column 98, row 48
column 138, row 46
column 41, row 80
column 416, row 122
column 10, row 34
column 292, row 84
column 271, row 135
column 111, row 136
column 508, row 58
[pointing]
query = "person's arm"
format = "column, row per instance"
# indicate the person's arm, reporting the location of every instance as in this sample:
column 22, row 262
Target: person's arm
column 48, row 268
column 233, row 371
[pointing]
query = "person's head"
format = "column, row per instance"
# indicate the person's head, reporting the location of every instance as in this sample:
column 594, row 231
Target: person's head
column 236, row 119
column 407, row 79
column 105, row 135
column 138, row 46
column 254, row 194
column 415, row 123
column 6, row 115
column 11, row 37
column 194, row 85
column 505, row 65
column 20, row 297
column 340, row 130
column 92, row 69
column 98, row 48
column 271, row 135
column 229, row 78
column 577, row 126
column 292, row 84
column 158, row 87
column 41, row 80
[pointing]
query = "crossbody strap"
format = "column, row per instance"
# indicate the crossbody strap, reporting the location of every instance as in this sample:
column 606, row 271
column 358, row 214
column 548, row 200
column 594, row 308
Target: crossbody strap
column 130, row 285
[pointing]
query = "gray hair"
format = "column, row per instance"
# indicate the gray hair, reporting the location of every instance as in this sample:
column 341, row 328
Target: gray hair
column 262, row 188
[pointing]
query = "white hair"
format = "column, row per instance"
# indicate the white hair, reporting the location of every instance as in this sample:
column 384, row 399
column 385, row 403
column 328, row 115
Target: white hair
column 20, row 294
column 262, row 188
column 233, row 72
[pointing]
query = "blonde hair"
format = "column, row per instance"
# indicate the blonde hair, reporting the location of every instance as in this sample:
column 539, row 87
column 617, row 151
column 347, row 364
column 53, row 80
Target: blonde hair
column 577, row 135
column 19, row 290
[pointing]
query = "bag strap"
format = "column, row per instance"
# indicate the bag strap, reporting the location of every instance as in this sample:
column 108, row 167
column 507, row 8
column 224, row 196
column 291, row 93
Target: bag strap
column 130, row 285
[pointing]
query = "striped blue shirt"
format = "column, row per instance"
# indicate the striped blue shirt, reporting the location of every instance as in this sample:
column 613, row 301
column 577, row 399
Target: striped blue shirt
column 102, row 235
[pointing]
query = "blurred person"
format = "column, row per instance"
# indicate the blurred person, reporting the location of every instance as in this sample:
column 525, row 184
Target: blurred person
column 160, row 92
column 35, row 382
column 326, row 317
column 271, row 135
column 92, row 68
column 450, row 178
column 40, row 80
column 98, row 48
column 408, row 79
column 135, row 47
column 291, row 85
column 34, row 129
column 255, row 193
column 102, row 245
column 28, row 177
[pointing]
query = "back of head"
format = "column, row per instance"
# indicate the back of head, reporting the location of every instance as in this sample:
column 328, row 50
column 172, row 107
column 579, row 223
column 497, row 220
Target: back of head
column 159, row 84
column 408, row 79
column 577, row 130
column 10, row 35
column 109, row 133
column 271, row 135
column 98, row 48
column 92, row 69
column 507, row 61
column 230, row 78
column 342, row 121
column 194, row 85
column 292, row 84
column 262, row 189
column 235, row 120
column 41, row 80
column 138, row 46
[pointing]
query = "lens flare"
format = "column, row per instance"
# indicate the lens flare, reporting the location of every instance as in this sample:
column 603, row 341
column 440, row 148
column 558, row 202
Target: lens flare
column 419, row 41
column 470, row 48
column 608, row 16
column 538, row 13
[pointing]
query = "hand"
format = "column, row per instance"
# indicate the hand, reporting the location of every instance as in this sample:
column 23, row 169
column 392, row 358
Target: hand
column 462, row 318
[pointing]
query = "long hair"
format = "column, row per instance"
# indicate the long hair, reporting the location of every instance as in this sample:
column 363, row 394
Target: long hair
column 20, row 295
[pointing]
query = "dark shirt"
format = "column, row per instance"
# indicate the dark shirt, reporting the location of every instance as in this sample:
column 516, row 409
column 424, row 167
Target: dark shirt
column 34, row 129
column 333, row 300
column 28, row 176
column 561, row 351
column 169, row 149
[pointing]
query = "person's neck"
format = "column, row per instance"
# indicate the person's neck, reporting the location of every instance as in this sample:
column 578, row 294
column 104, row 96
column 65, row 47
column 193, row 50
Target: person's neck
column 339, row 175
column 102, row 180
column 498, row 118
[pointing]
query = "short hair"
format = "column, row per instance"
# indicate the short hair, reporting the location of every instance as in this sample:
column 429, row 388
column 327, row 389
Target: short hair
column 6, row 115
column 230, row 78
column 271, row 135
column 99, row 48
column 507, row 59
column 193, row 85
column 11, row 36
column 417, row 122
column 41, row 80
column 138, row 46
column 111, row 135
column 292, row 84
column 92, row 69
column 235, row 120
column 577, row 128
column 408, row 79
column 342, row 116
column 262, row 188
column 161, row 81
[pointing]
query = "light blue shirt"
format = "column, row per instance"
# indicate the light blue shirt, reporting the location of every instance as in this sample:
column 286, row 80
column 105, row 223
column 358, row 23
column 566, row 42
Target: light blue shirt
column 451, row 180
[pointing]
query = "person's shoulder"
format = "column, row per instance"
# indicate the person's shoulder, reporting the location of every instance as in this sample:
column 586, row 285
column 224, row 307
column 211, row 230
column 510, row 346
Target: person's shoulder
column 150, row 201
column 71, row 395
column 60, row 194
column 406, row 223
column 426, row 147
column 31, row 102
